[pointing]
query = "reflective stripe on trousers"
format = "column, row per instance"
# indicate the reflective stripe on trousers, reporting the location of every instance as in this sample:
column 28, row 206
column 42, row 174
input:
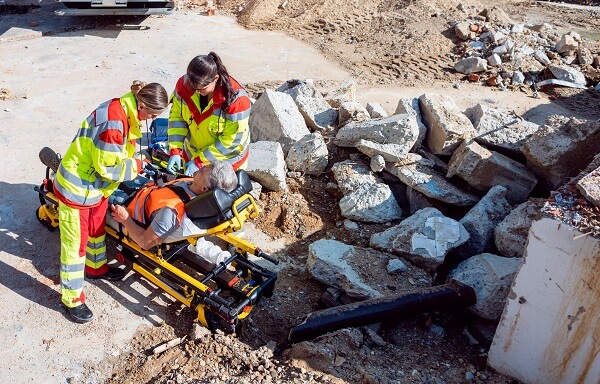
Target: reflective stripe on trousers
column 82, row 248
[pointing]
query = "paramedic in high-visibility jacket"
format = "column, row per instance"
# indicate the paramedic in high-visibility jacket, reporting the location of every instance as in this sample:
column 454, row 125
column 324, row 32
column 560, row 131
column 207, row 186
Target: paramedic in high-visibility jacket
column 99, row 158
column 209, row 117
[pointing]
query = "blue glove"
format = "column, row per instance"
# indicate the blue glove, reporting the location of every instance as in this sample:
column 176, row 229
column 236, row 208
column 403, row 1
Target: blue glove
column 174, row 164
column 191, row 168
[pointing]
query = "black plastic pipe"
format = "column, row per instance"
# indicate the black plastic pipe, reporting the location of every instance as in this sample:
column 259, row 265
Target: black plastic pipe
column 451, row 295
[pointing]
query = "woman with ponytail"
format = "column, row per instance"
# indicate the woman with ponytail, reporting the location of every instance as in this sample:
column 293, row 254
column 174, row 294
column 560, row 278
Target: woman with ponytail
column 209, row 117
column 98, row 159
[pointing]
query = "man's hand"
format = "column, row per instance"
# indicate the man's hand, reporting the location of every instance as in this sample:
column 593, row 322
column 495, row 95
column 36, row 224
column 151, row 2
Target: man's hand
column 119, row 213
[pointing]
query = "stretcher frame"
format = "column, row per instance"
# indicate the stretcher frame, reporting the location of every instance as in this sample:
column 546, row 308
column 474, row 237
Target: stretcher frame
column 220, row 294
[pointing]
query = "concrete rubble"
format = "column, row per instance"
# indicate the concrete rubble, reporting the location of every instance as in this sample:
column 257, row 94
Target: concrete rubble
column 447, row 183
column 507, row 54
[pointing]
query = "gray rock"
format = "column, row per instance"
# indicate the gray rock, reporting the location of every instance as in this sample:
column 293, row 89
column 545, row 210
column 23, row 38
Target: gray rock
column 500, row 129
column 370, row 203
column 390, row 152
column 561, row 148
column 584, row 56
column 589, row 186
column 490, row 276
column 376, row 110
column 411, row 106
column 346, row 92
column 401, row 130
column 471, row 65
column 567, row 73
column 308, row 155
column 349, row 174
column 396, row 266
column 351, row 225
column 328, row 262
column 266, row 165
column 418, row 173
column 494, row 60
column 481, row 220
column 462, row 31
column 518, row 78
column 317, row 113
column 565, row 44
column 424, row 238
column 541, row 56
column 377, row 163
column 446, row 125
column 275, row 117
column 352, row 110
column 484, row 169
column 510, row 236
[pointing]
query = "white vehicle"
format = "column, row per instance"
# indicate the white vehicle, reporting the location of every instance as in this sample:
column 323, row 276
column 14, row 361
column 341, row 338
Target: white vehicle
column 115, row 7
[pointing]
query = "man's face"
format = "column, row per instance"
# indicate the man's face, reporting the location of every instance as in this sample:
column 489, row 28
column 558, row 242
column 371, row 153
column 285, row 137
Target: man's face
column 201, row 177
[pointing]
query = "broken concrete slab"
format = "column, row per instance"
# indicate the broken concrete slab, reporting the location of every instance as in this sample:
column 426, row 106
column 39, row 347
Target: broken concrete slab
column 346, row 92
column 499, row 129
column 589, row 186
column 401, row 130
column 565, row 44
column 446, row 125
column 352, row 111
column 561, row 148
column 419, row 173
column 317, row 113
column 266, row 165
column 370, row 203
column 510, row 236
column 490, row 276
column 328, row 262
column 349, row 174
column 481, row 220
column 390, row 152
column 410, row 106
column 376, row 110
column 424, row 238
column 484, row 169
column 377, row 163
column 308, row 155
column 568, row 73
column 275, row 117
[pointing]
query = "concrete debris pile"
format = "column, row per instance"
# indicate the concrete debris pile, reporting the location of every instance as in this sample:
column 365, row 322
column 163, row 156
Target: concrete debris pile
column 465, row 181
column 495, row 50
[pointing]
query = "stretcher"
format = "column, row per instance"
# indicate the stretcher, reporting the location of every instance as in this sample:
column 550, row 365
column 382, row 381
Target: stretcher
column 221, row 294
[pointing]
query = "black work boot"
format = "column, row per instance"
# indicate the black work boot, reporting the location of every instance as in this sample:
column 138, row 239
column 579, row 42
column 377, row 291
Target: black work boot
column 80, row 314
column 113, row 274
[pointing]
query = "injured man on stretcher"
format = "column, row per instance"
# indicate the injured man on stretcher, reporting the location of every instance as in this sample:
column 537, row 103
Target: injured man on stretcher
column 156, row 214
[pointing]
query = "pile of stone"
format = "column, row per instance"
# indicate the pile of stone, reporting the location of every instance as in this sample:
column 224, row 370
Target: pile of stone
column 466, row 180
column 493, row 49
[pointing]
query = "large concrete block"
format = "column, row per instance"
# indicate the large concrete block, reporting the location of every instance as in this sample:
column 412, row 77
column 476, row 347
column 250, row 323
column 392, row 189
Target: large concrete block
column 410, row 105
column 561, row 148
column 275, row 117
column 308, row 155
column 481, row 220
column 500, row 129
column 352, row 111
column 401, row 130
column 349, row 174
column 484, row 169
column 510, row 235
column 446, row 125
column 390, row 152
column 266, row 165
column 317, row 113
column 371, row 203
column 490, row 276
column 419, row 173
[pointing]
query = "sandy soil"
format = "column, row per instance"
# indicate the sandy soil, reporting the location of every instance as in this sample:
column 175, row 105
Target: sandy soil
column 393, row 49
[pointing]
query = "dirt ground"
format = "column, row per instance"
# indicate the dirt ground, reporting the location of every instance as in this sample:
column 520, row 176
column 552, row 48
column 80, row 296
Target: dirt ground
column 380, row 42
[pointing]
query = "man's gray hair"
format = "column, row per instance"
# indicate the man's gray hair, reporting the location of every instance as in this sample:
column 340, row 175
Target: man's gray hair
column 222, row 176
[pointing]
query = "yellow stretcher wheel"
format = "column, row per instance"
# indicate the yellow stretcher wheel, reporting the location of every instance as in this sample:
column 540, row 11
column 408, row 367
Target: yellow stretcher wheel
column 44, row 219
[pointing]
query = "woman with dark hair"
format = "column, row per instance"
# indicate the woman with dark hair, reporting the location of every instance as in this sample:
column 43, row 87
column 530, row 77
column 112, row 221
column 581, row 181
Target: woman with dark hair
column 98, row 159
column 209, row 117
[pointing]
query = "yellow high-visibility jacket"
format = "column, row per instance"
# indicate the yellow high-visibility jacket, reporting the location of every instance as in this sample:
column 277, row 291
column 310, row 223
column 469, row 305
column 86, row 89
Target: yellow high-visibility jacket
column 209, row 134
column 101, row 154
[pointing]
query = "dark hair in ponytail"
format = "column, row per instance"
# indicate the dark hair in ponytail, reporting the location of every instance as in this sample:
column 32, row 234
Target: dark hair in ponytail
column 203, row 69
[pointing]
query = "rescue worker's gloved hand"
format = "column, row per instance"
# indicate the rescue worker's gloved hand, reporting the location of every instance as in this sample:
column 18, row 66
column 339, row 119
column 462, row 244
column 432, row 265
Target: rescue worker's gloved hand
column 191, row 168
column 174, row 163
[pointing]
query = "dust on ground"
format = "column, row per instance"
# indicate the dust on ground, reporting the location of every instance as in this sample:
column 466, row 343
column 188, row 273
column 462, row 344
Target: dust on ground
column 400, row 43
